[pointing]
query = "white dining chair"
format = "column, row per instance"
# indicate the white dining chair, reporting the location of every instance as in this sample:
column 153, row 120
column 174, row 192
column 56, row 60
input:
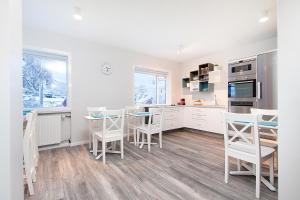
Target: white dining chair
column 154, row 126
column 267, row 123
column 267, row 118
column 132, row 122
column 112, row 131
column 28, row 154
column 245, row 146
column 94, row 126
column 34, row 137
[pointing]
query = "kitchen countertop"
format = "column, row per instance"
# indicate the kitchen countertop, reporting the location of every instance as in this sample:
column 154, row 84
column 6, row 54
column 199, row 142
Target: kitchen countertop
column 194, row 106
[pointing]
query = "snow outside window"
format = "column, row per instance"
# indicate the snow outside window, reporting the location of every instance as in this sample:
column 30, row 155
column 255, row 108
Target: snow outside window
column 149, row 87
column 45, row 80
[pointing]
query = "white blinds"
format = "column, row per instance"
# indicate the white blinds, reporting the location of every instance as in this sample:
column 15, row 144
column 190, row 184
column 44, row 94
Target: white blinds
column 150, row 71
column 45, row 55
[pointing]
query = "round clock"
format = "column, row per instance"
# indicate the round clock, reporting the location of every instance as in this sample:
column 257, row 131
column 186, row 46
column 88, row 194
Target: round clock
column 106, row 69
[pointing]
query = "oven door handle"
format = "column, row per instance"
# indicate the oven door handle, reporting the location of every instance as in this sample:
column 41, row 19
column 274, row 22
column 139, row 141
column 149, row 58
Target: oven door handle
column 258, row 90
column 238, row 82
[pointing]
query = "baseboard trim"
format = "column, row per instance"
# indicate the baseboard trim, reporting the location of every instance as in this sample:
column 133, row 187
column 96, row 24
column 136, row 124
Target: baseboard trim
column 55, row 146
column 72, row 144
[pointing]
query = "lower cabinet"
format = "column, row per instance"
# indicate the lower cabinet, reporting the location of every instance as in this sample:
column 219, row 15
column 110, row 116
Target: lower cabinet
column 173, row 117
column 206, row 119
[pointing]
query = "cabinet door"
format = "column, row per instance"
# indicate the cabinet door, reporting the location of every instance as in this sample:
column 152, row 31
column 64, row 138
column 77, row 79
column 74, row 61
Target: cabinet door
column 215, row 120
column 187, row 117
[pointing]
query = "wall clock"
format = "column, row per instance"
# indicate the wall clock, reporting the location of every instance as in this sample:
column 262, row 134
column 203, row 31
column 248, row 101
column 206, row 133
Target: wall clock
column 106, row 69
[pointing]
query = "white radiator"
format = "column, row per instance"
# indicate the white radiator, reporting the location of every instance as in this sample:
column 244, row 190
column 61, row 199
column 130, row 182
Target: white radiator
column 48, row 129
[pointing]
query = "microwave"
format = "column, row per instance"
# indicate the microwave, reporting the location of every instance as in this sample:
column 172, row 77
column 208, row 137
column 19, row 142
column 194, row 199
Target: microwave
column 242, row 70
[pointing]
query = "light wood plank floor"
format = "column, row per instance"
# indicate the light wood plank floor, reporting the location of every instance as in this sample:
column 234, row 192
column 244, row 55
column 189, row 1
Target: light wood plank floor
column 190, row 166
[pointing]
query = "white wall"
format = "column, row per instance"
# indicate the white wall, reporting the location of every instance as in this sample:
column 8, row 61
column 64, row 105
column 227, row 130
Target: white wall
column 11, row 156
column 222, row 59
column 89, row 86
column 289, row 98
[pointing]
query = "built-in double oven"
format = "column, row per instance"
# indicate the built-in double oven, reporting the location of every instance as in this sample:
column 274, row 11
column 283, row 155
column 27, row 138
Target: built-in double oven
column 242, row 86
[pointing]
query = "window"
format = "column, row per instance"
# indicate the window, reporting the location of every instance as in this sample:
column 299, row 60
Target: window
column 45, row 78
column 149, row 86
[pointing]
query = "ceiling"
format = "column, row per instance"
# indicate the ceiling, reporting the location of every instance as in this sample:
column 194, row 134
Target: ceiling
column 157, row 27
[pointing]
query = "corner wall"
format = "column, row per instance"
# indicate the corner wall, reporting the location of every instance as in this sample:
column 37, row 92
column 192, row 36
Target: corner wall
column 11, row 120
column 288, row 99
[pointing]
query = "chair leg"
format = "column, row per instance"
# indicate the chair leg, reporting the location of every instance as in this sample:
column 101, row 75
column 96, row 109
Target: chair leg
column 226, row 168
column 258, row 179
column 271, row 168
column 122, row 149
column 238, row 164
column 128, row 133
column 95, row 146
column 90, row 141
column 29, row 181
column 34, row 175
column 134, row 136
column 149, row 142
column 103, row 151
column 137, row 137
column 160, row 139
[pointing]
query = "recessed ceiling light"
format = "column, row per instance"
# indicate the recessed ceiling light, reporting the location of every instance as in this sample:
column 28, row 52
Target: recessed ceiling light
column 77, row 14
column 264, row 17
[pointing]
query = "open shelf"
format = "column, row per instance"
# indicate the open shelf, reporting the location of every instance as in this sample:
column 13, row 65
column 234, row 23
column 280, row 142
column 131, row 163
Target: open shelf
column 194, row 75
column 185, row 82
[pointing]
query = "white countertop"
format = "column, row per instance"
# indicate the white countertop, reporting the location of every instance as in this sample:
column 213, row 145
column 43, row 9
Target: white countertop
column 194, row 106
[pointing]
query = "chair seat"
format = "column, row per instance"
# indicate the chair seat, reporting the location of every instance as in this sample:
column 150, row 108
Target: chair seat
column 245, row 148
column 153, row 129
column 269, row 143
column 112, row 135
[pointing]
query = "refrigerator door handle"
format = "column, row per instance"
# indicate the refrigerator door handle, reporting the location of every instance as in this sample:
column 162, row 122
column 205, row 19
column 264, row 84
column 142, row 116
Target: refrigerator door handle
column 258, row 90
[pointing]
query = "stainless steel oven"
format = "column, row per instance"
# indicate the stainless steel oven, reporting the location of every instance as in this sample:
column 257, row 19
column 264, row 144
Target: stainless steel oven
column 242, row 86
column 242, row 89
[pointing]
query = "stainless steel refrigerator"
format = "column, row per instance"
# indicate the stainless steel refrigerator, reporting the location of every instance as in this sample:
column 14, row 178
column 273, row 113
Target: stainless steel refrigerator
column 267, row 81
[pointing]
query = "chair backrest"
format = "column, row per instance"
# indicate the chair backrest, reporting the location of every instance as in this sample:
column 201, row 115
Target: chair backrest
column 236, row 136
column 269, row 114
column 113, row 121
column 131, row 109
column 95, row 110
column 156, row 118
column 28, row 145
column 34, row 134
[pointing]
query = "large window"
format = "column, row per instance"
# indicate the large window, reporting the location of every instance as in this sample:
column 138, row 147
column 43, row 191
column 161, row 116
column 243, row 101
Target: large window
column 45, row 81
column 149, row 87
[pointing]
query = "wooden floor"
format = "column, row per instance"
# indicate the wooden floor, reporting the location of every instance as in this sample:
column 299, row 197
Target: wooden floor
column 190, row 166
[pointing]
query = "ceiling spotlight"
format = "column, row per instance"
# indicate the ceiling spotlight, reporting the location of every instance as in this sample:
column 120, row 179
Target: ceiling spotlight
column 264, row 17
column 77, row 14
column 180, row 49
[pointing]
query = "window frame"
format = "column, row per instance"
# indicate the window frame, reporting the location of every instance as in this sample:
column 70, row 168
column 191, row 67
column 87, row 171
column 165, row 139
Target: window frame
column 157, row 74
column 68, row 74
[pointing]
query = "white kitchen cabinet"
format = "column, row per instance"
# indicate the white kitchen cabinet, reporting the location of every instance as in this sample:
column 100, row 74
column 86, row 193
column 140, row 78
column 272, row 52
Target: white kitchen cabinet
column 173, row 117
column 206, row 119
column 199, row 118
